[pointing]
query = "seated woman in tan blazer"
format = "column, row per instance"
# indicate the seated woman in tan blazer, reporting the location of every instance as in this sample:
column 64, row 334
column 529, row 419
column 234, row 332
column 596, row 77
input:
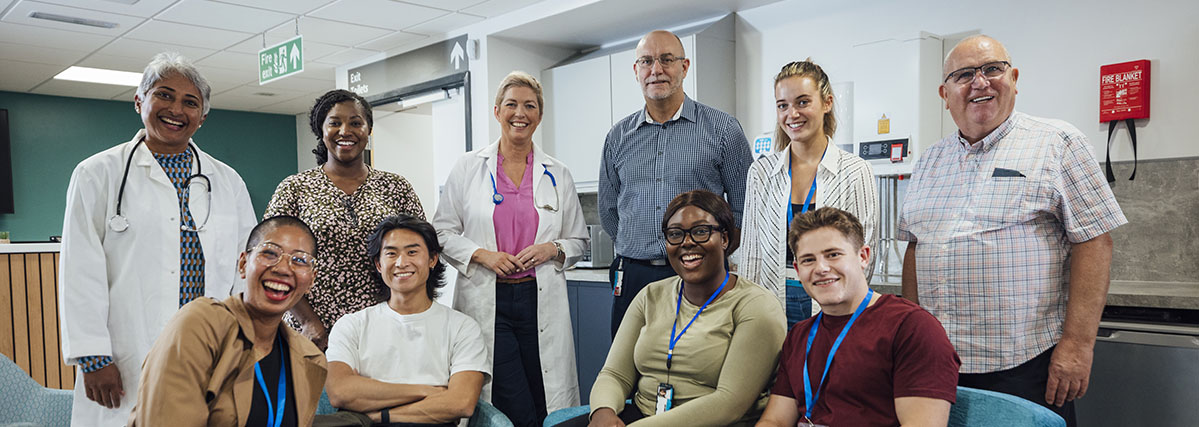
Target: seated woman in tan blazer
column 233, row 362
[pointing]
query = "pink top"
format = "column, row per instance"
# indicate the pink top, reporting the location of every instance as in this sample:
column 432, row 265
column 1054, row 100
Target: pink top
column 515, row 218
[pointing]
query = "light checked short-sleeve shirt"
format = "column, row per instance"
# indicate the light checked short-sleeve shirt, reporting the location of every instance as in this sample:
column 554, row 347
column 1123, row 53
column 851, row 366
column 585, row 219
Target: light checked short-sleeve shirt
column 994, row 222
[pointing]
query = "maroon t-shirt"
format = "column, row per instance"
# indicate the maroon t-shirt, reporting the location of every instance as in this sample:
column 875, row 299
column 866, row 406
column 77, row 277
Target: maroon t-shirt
column 895, row 349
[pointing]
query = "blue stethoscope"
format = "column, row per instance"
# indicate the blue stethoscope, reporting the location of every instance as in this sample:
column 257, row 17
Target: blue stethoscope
column 498, row 198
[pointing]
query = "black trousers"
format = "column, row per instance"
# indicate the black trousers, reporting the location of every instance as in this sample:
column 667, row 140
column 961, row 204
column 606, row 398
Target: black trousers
column 1027, row 381
column 517, row 387
column 637, row 274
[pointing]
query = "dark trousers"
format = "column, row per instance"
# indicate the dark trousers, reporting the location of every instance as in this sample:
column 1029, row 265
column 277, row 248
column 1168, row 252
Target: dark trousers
column 517, row 387
column 636, row 276
column 628, row 415
column 1027, row 381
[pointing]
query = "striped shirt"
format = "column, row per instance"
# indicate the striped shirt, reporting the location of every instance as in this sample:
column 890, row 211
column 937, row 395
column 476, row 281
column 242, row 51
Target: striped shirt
column 995, row 222
column 645, row 165
column 843, row 181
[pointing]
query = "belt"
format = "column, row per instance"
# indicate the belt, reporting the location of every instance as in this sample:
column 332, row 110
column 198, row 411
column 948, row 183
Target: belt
column 517, row 281
column 649, row 262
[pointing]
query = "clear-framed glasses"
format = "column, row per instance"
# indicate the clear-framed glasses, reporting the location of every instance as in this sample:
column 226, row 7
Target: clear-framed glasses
column 666, row 60
column 269, row 254
column 989, row 70
column 699, row 234
column 196, row 208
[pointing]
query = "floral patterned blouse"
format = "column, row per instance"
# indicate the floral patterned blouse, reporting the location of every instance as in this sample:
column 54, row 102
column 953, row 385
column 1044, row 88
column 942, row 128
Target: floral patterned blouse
column 342, row 223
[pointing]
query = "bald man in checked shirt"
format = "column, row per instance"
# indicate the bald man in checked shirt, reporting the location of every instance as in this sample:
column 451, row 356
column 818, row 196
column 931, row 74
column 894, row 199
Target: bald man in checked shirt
column 1007, row 222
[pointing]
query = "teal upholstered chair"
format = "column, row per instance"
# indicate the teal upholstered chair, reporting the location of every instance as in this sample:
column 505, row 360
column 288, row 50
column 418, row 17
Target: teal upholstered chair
column 983, row 408
column 23, row 400
column 485, row 414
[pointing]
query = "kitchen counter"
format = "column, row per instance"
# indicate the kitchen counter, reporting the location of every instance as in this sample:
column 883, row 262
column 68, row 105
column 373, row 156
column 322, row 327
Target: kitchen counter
column 28, row 248
column 587, row 274
column 1180, row 295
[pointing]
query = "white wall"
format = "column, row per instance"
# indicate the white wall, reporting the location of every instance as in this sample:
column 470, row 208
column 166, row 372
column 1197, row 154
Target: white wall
column 505, row 56
column 398, row 139
column 1057, row 45
column 305, row 142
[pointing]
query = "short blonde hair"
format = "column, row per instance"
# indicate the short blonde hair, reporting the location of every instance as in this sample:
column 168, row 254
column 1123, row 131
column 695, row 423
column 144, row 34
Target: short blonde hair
column 520, row 79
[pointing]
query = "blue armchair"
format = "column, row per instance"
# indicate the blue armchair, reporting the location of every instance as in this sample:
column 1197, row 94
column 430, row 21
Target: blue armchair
column 983, row 408
column 23, row 400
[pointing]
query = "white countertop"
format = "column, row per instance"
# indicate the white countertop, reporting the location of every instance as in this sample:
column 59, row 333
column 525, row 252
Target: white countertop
column 587, row 274
column 25, row 248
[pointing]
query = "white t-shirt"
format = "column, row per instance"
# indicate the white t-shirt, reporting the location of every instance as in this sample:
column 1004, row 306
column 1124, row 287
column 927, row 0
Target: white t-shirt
column 424, row 348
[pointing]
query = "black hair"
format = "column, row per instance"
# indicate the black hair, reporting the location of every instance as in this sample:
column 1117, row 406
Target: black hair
column 374, row 248
column 320, row 109
column 270, row 224
column 709, row 202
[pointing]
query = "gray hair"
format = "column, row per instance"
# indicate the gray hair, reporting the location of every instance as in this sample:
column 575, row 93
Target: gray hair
column 166, row 63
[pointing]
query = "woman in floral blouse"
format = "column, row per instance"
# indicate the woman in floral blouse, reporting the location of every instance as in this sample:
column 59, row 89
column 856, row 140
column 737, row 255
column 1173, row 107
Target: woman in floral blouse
column 343, row 200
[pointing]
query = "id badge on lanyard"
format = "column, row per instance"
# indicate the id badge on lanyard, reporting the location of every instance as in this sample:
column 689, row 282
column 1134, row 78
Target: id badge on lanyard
column 665, row 398
column 617, row 284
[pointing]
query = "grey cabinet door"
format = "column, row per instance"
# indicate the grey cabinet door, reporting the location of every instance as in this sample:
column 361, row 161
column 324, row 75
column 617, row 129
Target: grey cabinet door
column 591, row 312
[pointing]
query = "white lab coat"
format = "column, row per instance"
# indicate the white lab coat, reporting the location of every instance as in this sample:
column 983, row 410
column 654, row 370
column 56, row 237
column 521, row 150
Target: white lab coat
column 464, row 224
column 118, row 289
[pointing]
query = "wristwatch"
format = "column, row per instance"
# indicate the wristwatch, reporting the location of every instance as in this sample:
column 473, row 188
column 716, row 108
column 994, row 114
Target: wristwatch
column 561, row 253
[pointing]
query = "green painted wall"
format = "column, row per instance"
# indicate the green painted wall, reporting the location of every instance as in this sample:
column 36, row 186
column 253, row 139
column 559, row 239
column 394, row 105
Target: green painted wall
column 51, row 134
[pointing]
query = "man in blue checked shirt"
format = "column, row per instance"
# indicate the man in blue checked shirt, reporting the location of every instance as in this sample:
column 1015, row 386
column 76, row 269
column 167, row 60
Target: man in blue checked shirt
column 671, row 146
column 1007, row 222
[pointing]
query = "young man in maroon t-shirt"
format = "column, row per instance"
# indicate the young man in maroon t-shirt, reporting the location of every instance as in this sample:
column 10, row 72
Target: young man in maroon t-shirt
column 894, row 364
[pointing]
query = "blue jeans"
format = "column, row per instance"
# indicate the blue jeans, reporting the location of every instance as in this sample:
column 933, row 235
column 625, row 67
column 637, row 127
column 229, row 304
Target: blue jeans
column 799, row 304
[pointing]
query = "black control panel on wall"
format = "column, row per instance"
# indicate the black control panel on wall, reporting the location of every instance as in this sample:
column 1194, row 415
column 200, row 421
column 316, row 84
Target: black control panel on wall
column 880, row 149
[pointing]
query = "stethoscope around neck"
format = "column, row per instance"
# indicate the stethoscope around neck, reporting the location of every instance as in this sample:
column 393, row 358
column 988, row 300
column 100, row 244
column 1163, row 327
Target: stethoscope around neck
column 498, row 198
column 119, row 223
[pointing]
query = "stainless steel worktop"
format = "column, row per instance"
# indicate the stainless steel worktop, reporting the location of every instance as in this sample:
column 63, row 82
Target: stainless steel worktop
column 1182, row 295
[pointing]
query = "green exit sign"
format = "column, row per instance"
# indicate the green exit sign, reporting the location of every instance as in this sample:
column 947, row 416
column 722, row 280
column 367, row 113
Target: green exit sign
column 281, row 60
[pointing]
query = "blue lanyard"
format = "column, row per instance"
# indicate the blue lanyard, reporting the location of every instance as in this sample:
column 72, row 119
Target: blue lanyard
column 806, row 203
column 809, row 398
column 674, row 339
column 275, row 419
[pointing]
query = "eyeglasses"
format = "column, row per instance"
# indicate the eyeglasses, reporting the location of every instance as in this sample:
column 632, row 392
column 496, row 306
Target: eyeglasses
column 990, row 70
column 269, row 254
column 699, row 234
column 666, row 61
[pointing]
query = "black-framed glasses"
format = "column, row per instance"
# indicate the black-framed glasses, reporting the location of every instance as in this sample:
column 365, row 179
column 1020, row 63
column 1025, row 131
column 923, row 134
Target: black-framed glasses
column 666, row 61
column 269, row 254
column 699, row 234
column 989, row 70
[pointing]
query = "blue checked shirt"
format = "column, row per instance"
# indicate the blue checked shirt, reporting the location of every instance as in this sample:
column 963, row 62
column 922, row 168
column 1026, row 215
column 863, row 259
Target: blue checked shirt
column 645, row 165
column 994, row 222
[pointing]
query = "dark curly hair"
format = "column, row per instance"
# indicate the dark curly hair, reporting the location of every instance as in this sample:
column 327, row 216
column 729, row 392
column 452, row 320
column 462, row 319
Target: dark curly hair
column 320, row 109
column 374, row 248
column 709, row 202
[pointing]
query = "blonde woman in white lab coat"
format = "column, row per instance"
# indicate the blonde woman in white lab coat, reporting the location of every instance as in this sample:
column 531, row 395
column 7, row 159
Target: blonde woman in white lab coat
column 129, row 253
column 510, row 211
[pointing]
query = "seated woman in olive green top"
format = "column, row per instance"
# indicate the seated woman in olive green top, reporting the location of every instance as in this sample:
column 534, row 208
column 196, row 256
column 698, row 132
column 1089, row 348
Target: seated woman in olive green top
column 726, row 334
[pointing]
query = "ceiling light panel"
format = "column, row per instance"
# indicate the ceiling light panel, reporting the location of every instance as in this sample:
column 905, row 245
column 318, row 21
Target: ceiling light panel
column 100, row 75
column 19, row 14
column 384, row 13
column 79, row 89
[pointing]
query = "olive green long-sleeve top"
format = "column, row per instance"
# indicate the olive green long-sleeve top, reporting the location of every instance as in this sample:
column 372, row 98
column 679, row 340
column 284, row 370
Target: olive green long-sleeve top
column 722, row 366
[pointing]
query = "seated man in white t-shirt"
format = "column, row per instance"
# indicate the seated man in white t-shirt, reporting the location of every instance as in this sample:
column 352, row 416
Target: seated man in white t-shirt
column 408, row 360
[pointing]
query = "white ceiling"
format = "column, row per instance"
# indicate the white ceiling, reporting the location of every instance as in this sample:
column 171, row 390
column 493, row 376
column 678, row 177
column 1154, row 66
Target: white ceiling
column 223, row 38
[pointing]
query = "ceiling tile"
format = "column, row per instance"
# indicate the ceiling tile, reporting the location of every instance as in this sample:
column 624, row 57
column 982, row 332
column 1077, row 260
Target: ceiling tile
column 145, row 50
column 446, row 4
column 79, row 89
column 347, row 56
column 304, row 84
column 226, row 79
column 19, row 14
column 125, row 96
column 312, row 50
column 445, row 24
column 186, row 35
column 231, row 60
column 293, row 106
column 493, row 8
column 224, row 16
column 22, row 76
column 325, row 31
column 288, row 6
column 317, row 70
column 21, row 52
column 383, row 13
column 393, row 40
column 112, row 62
column 50, row 37
column 250, row 98
column 142, row 8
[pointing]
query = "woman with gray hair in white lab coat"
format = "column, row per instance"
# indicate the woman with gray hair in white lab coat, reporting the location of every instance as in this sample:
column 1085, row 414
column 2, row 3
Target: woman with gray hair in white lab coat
column 510, row 222
column 150, row 225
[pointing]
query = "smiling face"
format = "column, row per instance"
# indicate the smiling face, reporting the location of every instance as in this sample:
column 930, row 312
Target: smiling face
column 660, row 82
column 172, row 110
column 404, row 263
column 518, row 114
column 346, row 132
column 272, row 290
column 981, row 105
column 800, row 109
column 832, row 269
column 697, row 262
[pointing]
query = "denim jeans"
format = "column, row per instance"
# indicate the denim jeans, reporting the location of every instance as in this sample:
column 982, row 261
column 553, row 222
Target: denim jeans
column 799, row 304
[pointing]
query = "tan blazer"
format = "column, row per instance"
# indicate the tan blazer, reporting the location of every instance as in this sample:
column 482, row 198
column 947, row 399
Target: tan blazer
column 200, row 371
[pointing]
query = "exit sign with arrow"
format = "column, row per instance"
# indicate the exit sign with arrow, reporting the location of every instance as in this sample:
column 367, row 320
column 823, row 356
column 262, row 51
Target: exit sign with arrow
column 281, row 60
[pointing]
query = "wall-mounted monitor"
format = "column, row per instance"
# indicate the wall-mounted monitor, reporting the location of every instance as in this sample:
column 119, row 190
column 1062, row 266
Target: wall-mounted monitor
column 6, row 186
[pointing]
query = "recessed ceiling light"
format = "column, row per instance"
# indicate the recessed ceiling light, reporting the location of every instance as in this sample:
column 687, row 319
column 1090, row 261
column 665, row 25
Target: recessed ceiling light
column 72, row 20
column 100, row 75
